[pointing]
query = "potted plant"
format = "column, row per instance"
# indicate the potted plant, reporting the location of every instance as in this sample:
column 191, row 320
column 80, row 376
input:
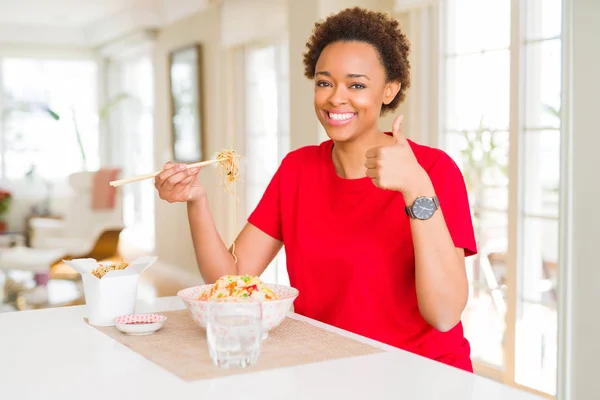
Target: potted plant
column 5, row 200
column 483, row 155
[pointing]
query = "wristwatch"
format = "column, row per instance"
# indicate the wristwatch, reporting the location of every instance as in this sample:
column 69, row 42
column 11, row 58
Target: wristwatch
column 423, row 207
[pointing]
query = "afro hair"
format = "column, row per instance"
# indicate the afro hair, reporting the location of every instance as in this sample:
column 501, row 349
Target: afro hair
column 375, row 28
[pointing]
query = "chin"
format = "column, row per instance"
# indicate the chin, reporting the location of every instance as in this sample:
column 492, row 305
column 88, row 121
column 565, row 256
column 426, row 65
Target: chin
column 340, row 135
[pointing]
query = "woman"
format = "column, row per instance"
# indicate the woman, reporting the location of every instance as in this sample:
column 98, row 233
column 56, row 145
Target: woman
column 375, row 227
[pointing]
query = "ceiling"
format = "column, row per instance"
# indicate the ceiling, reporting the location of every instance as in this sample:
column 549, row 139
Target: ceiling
column 71, row 13
column 86, row 23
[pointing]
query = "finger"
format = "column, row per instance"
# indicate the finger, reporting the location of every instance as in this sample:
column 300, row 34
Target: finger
column 372, row 172
column 166, row 173
column 397, row 129
column 372, row 163
column 373, row 153
column 187, row 181
column 375, row 182
column 173, row 180
column 191, row 171
column 182, row 190
column 158, row 179
column 195, row 170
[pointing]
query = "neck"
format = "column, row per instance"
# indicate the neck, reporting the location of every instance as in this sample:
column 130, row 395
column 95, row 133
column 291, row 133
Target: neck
column 349, row 157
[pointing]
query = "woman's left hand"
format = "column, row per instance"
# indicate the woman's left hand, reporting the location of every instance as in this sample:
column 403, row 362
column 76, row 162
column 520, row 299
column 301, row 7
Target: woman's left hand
column 395, row 167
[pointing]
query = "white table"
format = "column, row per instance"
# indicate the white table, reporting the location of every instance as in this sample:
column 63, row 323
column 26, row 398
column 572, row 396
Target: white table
column 53, row 354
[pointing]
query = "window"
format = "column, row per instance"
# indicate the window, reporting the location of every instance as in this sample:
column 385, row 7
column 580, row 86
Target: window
column 266, row 105
column 539, row 184
column 129, row 109
column 496, row 112
column 33, row 140
column 475, row 132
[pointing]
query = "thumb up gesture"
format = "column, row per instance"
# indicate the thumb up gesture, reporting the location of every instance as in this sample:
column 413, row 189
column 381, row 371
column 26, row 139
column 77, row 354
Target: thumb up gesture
column 395, row 167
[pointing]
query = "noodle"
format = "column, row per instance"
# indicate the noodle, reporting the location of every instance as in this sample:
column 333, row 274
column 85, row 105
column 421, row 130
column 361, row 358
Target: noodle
column 238, row 288
column 229, row 171
column 102, row 269
column 229, row 168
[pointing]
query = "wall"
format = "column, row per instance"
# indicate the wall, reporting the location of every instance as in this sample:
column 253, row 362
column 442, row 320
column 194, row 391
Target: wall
column 579, row 285
column 304, row 125
column 243, row 21
column 173, row 240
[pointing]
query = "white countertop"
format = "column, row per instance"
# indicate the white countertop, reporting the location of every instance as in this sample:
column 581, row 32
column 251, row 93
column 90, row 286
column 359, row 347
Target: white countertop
column 53, row 354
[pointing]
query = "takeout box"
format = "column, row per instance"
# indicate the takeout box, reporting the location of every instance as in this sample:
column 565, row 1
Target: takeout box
column 112, row 295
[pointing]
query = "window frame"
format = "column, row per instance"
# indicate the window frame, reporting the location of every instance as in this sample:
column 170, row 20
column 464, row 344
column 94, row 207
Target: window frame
column 239, row 57
column 421, row 28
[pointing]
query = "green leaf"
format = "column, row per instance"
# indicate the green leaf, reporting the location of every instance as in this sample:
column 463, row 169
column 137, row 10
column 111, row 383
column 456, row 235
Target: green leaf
column 53, row 114
column 114, row 103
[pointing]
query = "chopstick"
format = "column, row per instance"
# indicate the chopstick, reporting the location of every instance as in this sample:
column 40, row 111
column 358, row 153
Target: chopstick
column 153, row 174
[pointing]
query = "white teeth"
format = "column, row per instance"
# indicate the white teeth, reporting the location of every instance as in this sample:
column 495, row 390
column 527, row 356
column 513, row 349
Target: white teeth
column 341, row 117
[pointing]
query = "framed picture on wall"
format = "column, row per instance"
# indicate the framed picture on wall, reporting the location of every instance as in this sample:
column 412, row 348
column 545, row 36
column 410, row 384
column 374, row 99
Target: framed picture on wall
column 185, row 72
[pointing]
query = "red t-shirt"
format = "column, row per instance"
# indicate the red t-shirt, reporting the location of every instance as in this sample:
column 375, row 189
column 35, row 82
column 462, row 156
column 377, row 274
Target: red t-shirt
column 349, row 248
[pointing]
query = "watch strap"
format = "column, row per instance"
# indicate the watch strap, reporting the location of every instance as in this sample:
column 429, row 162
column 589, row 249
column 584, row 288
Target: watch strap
column 409, row 212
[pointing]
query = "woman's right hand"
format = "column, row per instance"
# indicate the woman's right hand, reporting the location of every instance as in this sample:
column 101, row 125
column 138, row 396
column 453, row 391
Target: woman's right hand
column 176, row 183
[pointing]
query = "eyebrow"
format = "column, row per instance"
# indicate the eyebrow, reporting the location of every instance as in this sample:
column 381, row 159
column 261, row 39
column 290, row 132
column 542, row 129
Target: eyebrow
column 326, row 73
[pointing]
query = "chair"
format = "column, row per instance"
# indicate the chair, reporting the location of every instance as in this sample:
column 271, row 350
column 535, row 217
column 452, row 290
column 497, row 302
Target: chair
column 83, row 231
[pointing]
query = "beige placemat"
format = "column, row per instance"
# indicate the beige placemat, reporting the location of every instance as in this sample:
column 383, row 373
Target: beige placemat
column 180, row 347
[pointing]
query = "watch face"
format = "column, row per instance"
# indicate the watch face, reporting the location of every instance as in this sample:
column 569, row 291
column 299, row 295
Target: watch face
column 423, row 208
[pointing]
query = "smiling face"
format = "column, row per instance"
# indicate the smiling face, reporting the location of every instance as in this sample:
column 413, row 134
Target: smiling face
column 350, row 88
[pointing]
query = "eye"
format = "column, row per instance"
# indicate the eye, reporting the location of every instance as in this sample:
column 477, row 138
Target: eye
column 323, row 84
column 357, row 86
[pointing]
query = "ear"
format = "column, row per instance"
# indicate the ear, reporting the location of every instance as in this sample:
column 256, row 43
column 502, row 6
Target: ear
column 390, row 91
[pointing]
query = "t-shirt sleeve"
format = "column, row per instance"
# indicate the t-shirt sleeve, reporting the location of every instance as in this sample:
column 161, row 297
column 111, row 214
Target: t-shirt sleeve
column 267, row 214
column 451, row 191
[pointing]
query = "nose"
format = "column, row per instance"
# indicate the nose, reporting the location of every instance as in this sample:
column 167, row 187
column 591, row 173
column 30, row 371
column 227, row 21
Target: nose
column 339, row 96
